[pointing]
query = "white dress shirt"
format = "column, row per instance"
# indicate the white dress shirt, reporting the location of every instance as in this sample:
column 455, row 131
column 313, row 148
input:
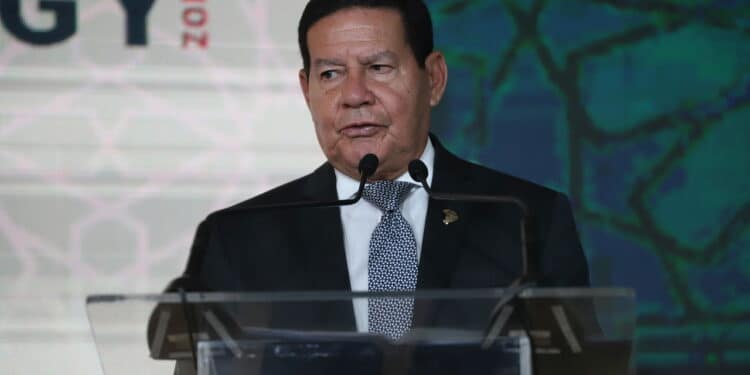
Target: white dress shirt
column 360, row 219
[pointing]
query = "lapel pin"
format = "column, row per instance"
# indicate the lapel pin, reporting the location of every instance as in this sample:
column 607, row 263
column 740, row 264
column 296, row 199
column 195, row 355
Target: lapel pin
column 450, row 216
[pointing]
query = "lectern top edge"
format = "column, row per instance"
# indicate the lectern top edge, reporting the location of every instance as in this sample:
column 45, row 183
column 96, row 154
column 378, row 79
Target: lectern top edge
column 207, row 297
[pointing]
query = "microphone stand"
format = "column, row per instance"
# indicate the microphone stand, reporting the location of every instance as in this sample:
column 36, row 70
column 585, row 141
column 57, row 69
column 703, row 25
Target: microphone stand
column 367, row 167
column 418, row 171
column 526, row 280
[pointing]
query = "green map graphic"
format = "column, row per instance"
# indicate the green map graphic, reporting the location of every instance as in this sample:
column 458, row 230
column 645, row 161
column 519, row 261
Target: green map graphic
column 640, row 111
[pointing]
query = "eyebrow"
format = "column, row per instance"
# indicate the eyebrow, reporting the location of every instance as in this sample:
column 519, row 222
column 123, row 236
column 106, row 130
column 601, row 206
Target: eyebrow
column 328, row 62
column 378, row 56
column 363, row 60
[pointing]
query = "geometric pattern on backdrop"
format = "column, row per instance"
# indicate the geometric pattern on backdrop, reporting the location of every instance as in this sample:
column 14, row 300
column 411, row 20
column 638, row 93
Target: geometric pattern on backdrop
column 639, row 110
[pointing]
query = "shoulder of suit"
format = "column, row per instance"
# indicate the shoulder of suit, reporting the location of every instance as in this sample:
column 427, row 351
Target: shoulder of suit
column 508, row 181
column 542, row 201
column 292, row 191
column 484, row 180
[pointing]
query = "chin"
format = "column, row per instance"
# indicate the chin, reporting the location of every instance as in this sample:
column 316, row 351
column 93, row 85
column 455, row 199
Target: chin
column 354, row 158
column 362, row 147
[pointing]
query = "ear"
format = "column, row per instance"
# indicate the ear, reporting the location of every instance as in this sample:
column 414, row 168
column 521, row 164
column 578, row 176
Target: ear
column 304, row 85
column 437, row 73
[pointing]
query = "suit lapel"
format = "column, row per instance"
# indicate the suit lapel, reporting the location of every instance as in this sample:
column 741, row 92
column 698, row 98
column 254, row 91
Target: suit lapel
column 480, row 249
column 441, row 243
column 320, row 246
column 321, row 240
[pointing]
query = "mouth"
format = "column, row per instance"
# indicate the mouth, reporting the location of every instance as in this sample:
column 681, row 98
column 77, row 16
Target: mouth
column 357, row 130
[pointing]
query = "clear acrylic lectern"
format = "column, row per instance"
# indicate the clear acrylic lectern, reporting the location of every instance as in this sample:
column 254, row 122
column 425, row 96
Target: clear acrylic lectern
column 483, row 331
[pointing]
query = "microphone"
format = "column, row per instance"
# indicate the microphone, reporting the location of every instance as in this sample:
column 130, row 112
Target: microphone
column 418, row 172
column 367, row 167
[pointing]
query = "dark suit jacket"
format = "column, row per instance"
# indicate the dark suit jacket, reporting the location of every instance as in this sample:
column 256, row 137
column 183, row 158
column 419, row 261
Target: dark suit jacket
column 302, row 250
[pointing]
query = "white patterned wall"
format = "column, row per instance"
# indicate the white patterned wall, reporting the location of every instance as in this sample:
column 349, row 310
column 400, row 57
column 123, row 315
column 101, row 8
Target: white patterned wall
column 110, row 155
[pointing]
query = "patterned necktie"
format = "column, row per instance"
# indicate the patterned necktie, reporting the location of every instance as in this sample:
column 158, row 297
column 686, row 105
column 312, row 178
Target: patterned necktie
column 392, row 263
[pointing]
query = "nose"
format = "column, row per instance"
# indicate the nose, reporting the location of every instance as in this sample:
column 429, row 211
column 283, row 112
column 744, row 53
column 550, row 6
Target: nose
column 355, row 91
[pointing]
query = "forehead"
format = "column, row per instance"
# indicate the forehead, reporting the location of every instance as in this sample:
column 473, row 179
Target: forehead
column 353, row 27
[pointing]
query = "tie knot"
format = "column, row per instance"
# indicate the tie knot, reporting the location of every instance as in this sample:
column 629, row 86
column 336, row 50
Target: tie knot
column 387, row 195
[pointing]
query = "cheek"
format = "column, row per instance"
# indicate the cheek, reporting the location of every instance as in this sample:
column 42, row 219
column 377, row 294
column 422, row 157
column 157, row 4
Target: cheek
column 394, row 100
column 402, row 110
column 323, row 113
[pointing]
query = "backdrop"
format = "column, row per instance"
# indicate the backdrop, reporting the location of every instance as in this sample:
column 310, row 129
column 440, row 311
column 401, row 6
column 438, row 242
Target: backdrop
column 639, row 110
column 124, row 122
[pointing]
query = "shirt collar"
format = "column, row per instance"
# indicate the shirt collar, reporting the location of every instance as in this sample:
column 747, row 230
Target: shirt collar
column 346, row 186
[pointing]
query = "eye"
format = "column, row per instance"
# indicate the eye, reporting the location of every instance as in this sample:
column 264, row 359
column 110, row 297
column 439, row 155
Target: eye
column 381, row 68
column 328, row 75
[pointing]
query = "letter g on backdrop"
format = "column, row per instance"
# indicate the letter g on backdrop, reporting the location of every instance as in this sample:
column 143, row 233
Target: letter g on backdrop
column 136, row 12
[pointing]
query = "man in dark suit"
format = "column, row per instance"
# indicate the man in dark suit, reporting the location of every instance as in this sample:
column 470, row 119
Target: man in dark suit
column 304, row 249
column 370, row 79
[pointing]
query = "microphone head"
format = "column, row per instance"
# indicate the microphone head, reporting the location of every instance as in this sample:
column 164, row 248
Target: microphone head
column 418, row 171
column 368, row 165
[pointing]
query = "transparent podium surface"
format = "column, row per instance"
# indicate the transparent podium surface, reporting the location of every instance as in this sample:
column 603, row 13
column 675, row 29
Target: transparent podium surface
column 484, row 331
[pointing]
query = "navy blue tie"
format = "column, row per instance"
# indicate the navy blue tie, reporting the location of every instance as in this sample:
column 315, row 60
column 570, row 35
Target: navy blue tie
column 392, row 263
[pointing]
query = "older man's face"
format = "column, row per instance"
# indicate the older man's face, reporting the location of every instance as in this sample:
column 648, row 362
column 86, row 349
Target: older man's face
column 366, row 92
